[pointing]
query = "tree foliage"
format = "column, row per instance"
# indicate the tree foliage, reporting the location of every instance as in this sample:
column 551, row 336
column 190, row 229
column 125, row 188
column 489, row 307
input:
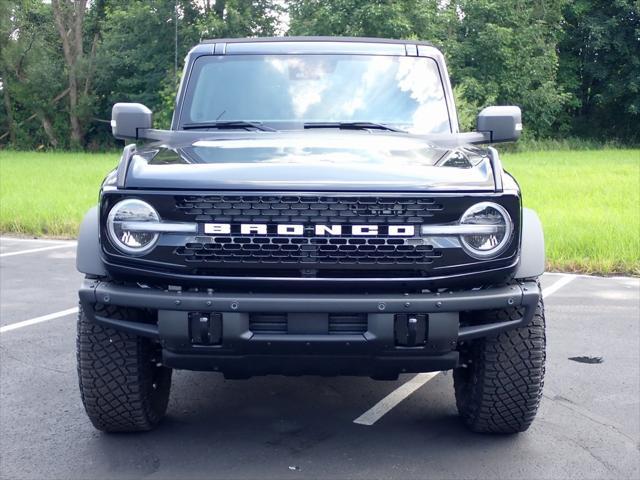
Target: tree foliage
column 600, row 67
column 572, row 65
column 506, row 55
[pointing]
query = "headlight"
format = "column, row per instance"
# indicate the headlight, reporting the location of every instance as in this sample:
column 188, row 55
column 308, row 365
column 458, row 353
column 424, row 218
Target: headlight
column 492, row 228
column 134, row 242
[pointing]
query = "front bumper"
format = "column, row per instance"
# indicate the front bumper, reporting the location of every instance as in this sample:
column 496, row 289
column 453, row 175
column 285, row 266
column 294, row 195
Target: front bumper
column 242, row 352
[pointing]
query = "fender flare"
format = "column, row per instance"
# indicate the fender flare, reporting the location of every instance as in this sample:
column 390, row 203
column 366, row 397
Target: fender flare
column 532, row 256
column 88, row 254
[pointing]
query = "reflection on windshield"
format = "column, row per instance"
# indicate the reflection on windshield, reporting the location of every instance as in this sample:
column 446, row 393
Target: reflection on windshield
column 426, row 94
column 405, row 92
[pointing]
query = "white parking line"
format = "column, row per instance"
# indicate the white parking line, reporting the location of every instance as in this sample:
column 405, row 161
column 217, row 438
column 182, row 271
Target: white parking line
column 376, row 412
column 557, row 285
column 381, row 408
column 33, row 321
column 35, row 250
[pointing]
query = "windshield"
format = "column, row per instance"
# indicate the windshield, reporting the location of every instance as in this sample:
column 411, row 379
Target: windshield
column 289, row 91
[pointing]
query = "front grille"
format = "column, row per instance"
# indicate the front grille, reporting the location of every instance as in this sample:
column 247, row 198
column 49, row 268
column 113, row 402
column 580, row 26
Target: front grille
column 309, row 254
column 308, row 250
column 306, row 209
column 287, row 251
column 338, row 323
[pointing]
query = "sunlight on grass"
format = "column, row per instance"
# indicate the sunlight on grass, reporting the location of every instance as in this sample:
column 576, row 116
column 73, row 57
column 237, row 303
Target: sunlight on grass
column 589, row 201
column 48, row 193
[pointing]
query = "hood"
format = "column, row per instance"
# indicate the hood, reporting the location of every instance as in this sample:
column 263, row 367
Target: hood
column 331, row 160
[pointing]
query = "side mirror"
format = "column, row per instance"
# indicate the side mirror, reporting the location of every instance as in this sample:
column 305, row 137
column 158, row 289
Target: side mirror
column 503, row 124
column 128, row 118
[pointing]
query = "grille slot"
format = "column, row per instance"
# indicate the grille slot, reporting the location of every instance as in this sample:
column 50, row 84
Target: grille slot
column 268, row 323
column 308, row 250
column 306, row 209
column 348, row 323
column 339, row 323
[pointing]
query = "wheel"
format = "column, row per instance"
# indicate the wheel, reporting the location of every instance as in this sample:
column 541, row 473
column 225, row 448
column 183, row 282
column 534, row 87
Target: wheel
column 499, row 387
column 122, row 386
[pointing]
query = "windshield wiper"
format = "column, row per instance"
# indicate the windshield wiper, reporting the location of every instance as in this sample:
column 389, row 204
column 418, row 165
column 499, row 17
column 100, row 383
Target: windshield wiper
column 230, row 124
column 353, row 126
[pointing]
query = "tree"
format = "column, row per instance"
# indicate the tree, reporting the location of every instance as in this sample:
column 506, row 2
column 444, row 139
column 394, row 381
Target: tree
column 239, row 18
column 600, row 67
column 6, row 33
column 135, row 59
column 31, row 67
column 374, row 18
column 69, row 19
column 507, row 55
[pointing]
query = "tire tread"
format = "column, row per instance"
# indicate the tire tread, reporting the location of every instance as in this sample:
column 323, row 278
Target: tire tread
column 501, row 389
column 117, row 372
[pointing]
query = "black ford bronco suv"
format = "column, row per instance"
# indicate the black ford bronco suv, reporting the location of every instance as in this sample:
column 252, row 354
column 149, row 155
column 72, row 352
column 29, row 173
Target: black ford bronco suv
column 313, row 209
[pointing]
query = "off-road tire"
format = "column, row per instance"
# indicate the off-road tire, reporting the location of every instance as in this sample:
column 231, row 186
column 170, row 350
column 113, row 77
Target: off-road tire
column 122, row 387
column 500, row 387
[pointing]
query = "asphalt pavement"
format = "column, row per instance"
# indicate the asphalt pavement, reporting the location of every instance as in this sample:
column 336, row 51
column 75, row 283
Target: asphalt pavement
column 588, row 426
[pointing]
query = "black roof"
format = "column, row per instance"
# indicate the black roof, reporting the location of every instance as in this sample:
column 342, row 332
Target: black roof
column 315, row 39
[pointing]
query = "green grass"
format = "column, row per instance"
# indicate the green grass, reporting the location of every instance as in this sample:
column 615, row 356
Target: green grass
column 47, row 194
column 589, row 201
column 589, row 204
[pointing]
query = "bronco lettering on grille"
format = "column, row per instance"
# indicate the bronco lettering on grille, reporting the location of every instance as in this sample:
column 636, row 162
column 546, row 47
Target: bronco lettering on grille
column 284, row 229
